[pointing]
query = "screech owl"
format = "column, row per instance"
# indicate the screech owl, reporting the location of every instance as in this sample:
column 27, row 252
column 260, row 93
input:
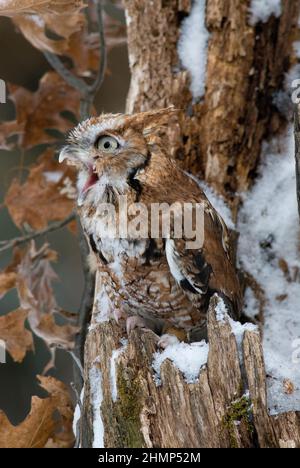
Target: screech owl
column 154, row 282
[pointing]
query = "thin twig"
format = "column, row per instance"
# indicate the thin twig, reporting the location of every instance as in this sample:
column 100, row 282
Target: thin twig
column 9, row 244
column 102, row 49
column 78, row 424
column 87, row 92
column 68, row 76
column 77, row 362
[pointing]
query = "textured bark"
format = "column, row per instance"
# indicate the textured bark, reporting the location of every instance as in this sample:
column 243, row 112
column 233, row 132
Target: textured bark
column 213, row 412
column 219, row 138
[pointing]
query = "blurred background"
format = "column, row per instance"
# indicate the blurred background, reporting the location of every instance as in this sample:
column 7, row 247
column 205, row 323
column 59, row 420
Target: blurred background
column 23, row 65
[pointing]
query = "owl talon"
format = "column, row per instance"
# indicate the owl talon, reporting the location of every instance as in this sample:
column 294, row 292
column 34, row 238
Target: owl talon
column 167, row 340
column 119, row 314
column 134, row 322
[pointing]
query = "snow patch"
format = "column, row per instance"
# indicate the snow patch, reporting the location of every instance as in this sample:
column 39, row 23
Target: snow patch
column 237, row 328
column 261, row 10
column 269, row 250
column 192, row 47
column 188, row 358
column 53, row 176
column 95, row 378
column 251, row 304
column 221, row 311
column 113, row 377
column 239, row 331
column 77, row 413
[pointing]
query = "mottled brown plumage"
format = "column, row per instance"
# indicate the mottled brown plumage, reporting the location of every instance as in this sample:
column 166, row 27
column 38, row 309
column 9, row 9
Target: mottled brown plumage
column 153, row 281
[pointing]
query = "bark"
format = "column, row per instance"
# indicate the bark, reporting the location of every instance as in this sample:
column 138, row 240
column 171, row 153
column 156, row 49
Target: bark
column 213, row 412
column 219, row 138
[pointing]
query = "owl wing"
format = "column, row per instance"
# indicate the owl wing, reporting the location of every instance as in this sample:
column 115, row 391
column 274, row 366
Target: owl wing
column 206, row 270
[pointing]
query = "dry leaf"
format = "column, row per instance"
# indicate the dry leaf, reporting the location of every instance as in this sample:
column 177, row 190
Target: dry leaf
column 17, row 338
column 35, row 27
column 60, row 336
column 7, row 130
column 8, row 276
column 7, row 282
column 288, row 387
column 64, row 405
column 34, row 281
column 115, row 32
column 72, row 36
column 58, row 7
column 41, row 111
column 36, row 17
column 42, row 425
column 34, row 431
column 47, row 195
column 34, row 284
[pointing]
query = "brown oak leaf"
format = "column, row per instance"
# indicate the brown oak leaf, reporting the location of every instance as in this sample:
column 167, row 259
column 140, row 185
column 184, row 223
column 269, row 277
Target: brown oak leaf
column 14, row 7
column 39, row 112
column 47, row 194
column 17, row 338
column 8, row 276
column 34, row 284
column 42, row 426
column 35, row 18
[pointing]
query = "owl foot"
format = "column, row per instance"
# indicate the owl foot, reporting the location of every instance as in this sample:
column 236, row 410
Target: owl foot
column 134, row 322
column 119, row 314
column 167, row 340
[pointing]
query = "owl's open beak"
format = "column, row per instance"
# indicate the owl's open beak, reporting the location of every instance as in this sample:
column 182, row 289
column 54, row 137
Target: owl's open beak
column 69, row 155
column 74, row 157
column 91, row 180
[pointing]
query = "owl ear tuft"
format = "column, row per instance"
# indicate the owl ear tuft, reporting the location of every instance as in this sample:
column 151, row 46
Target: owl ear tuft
column 150, row 121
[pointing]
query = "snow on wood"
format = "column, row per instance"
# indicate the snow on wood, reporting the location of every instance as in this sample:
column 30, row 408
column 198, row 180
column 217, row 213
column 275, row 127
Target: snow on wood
column 188, row 358
column 269, row 250
column 192, row 47
column 113, row 360
column 95, row 381
column 261, row 10
column 77, row 415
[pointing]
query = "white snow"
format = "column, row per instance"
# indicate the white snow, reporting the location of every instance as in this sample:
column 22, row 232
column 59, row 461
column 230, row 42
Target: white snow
column 113, row 377
column 95, row 379
column 221, row 311
column 77, row 412
column 269, row 227
column 192, row 47
column 261, row 10
column 53, row 176
column 251, row 306
column 237, row 328
column 239, row 331
column 188, row 358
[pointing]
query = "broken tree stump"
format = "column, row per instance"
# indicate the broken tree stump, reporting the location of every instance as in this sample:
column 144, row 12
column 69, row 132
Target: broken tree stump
column 226, row 406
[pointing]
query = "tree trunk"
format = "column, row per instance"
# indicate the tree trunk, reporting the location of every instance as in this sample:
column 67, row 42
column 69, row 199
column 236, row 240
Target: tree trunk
column 215, row 411
column 218, row 137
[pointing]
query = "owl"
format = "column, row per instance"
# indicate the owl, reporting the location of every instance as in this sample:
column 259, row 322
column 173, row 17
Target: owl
column 148, row 279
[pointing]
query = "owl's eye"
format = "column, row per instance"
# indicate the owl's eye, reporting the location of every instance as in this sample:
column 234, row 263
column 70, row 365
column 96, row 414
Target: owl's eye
column 107, row 143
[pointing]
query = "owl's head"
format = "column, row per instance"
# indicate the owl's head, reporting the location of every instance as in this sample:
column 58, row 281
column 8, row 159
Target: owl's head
column 111, row 148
